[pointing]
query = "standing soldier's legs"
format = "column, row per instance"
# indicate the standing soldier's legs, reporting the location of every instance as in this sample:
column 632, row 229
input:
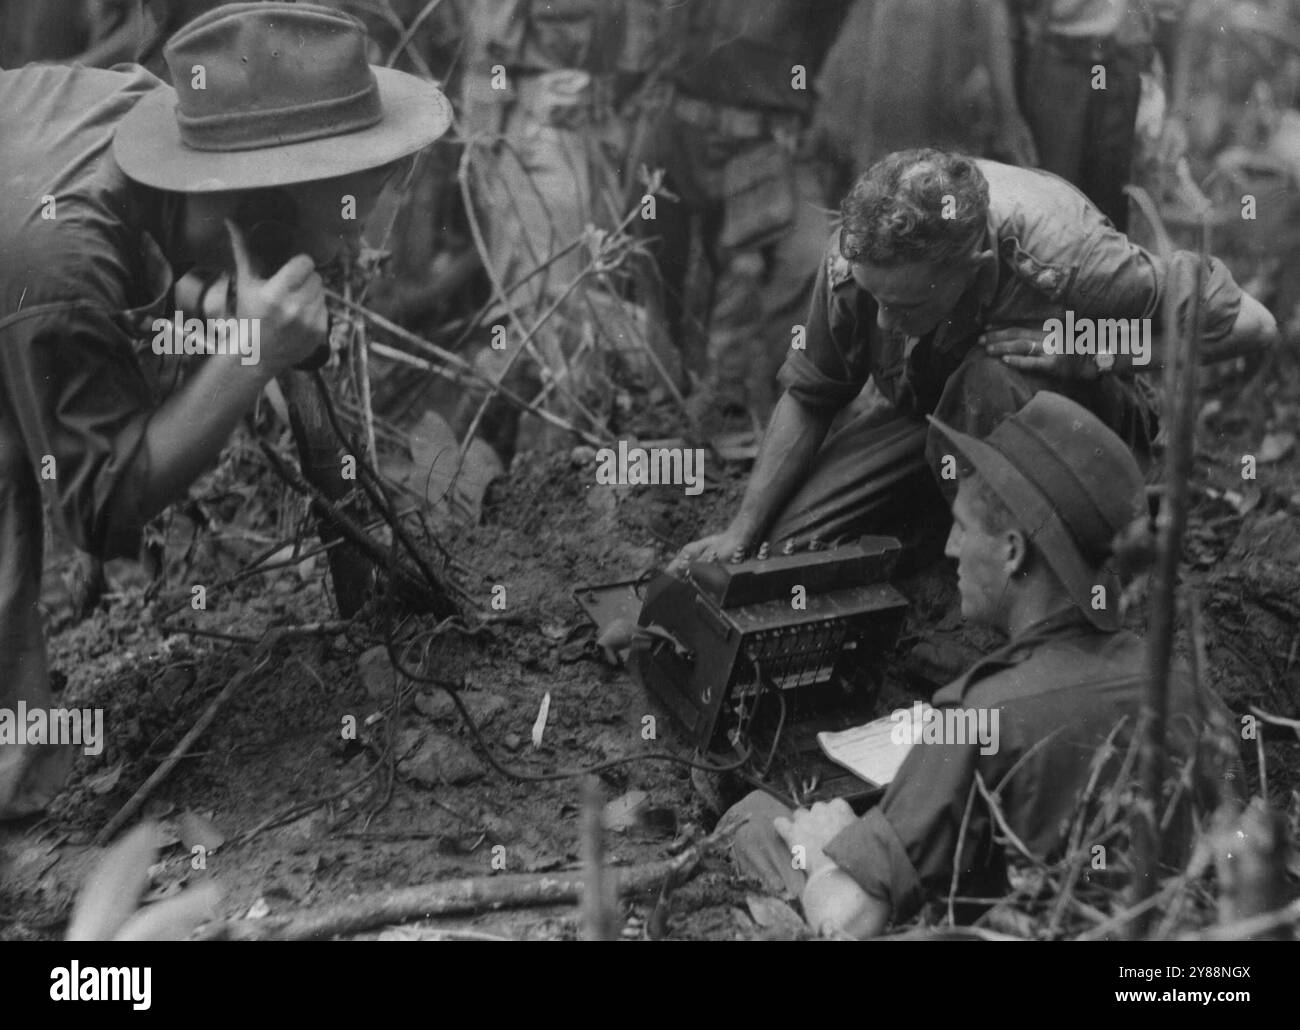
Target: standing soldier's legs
column 535, row 186
column 1055, row 93
column 735, row 335
column 537, row 192
column 668, row 227
column 791, row 273
column 1084, row 125
column 1112, row 126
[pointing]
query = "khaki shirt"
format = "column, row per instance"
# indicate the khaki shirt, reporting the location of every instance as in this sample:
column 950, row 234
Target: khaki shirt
column 1056, row 252
column 79, row 277
column 1059, row 690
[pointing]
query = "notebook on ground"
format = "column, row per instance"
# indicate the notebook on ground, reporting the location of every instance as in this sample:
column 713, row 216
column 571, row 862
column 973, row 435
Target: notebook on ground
column 875, row 751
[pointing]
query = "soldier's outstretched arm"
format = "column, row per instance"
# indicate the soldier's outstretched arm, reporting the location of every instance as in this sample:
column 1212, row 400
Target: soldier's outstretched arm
column 792, row 439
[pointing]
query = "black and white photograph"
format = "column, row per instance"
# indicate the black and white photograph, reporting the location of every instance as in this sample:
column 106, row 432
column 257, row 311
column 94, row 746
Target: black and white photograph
column 651, row 470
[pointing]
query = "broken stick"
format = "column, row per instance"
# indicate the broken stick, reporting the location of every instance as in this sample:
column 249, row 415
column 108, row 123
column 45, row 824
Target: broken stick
column 454, row 898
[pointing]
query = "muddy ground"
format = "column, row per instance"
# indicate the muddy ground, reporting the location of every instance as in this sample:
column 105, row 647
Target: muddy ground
column 292, row 815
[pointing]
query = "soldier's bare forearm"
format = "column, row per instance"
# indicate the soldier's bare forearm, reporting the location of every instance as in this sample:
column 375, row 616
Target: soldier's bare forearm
column 186, row 434
column 792, row 440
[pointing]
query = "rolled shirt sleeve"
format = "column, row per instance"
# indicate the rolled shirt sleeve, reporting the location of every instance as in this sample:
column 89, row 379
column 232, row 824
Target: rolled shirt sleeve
column 75, row 390
column 1115, row 278
column 903, row 850
column 833, row 366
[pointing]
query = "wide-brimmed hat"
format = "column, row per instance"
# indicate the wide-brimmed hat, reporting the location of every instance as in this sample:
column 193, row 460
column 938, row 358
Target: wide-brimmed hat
column 1073, row 486
column 269, row 94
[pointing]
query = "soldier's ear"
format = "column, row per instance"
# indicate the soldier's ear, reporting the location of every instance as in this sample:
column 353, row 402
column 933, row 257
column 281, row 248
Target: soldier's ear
column 1016, row 558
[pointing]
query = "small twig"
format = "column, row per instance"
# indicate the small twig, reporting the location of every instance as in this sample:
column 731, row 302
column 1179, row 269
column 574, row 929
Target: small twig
column 462, row 370
column 404, row 578
column 137, row 800
column 194, row 631
column 956, row 858
column 650, row 354
column 375, row 487
column 409, row 34
column 996, row 810
column 299, row 810
column 1142, row 909
column 1249, row 929
column 360, row 372
column 1077, row 855
column 595, row 265
column 1202, row 858
column 261, row 657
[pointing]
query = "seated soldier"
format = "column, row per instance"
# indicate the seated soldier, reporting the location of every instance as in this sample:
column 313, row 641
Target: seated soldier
column 937, row 289
column 1039, row 503
column 117, row 186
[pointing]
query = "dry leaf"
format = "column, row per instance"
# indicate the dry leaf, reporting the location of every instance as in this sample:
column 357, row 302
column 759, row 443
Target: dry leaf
column 1275, row 447
column 259, row 910
column 200, row 830
column 626, row 811
column 539, row 727
column 102, row 783
column 775, row 914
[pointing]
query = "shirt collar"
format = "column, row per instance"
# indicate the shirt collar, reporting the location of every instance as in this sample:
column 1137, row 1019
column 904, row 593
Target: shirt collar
column 986, row 287
column 1059, row 624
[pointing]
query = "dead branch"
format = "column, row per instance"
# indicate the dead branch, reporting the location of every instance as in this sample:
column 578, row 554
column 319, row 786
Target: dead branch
column 956, row 859
column 409, row 585
column 373, row 484
column 1077, row 852
column 453, row 898
column 408, row 34
column 1252, row 928
column 361, row 373
column 1180, row 392
column 457, row 369
column 995, row 809
column 256, row 664
column 320, row 459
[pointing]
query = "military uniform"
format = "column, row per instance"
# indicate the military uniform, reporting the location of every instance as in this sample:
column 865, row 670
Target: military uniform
column 912, row 73
column 74, row 294
column 1059, row 690
column 1085, row 133
column 1056, row 252
column 539, row 101
column 729, row 137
